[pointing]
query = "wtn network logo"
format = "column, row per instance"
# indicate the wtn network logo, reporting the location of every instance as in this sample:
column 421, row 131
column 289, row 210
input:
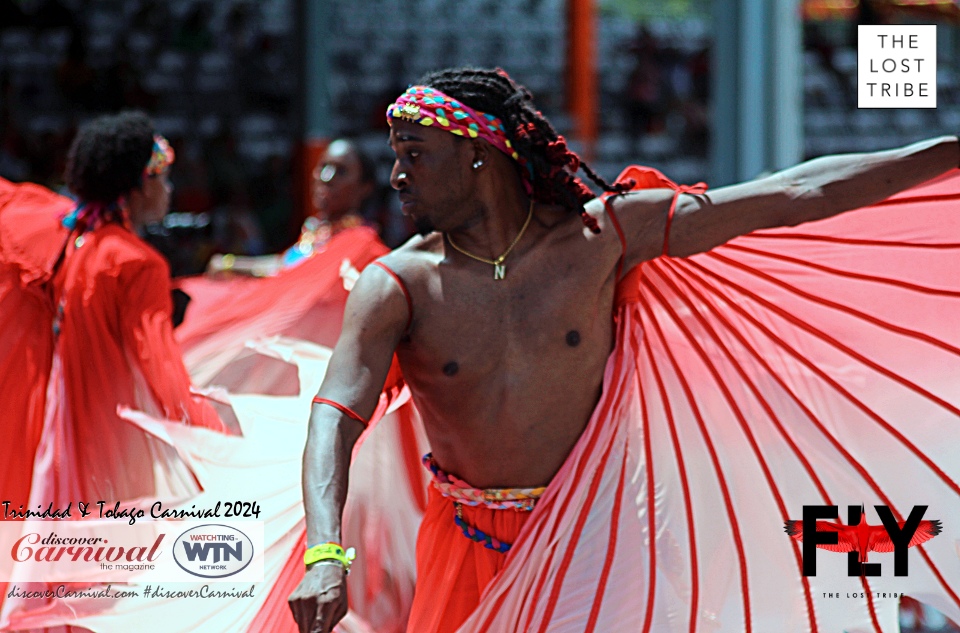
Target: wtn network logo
column 213, row 551
column 858, row 538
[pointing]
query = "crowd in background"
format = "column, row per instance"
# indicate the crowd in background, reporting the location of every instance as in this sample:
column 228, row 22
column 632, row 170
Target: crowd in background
column 219, row 79
column 223, row 80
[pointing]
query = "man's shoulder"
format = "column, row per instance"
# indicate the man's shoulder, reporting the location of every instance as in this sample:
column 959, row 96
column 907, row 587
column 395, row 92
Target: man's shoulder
column 638, row 201
column 414, row 258
column 639, row 218
column 571, row 227
column 383, row 290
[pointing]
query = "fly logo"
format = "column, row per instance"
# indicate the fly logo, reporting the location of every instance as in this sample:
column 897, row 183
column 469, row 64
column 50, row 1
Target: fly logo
column 213, row 551
column 857, row 538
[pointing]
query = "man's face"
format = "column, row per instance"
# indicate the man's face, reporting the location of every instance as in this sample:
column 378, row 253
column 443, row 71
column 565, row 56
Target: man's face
column 432, row 173
column 338, row 185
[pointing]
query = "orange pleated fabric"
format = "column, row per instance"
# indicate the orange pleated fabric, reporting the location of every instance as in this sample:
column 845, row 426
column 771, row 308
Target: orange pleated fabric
column 452, row 570
column 808, row 365
column 30, row 239
column 115, row 349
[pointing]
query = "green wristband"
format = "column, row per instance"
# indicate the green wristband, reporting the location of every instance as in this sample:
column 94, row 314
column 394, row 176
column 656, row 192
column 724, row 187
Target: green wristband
column 330, row 551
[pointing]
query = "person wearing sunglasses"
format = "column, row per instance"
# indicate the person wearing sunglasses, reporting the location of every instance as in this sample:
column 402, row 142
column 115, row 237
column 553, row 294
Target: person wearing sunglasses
column 343, row 180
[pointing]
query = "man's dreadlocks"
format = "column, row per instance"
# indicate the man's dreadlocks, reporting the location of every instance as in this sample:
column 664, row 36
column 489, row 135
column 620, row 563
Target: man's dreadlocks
column 552, row 164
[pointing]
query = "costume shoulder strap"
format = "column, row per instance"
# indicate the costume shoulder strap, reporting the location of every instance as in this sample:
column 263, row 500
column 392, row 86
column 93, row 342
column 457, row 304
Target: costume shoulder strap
column 666, row 229
column 650, row 178
column 403, row 288
column 616, row 225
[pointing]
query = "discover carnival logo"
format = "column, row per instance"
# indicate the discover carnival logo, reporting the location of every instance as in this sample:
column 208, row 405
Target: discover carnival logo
column 116, row 551
column 213, row 551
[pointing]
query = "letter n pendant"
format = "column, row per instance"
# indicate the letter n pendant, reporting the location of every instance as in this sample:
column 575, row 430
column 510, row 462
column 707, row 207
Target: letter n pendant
column 499, row 270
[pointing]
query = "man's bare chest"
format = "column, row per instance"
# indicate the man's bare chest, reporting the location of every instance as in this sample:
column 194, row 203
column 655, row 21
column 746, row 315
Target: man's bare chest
column 468, row 326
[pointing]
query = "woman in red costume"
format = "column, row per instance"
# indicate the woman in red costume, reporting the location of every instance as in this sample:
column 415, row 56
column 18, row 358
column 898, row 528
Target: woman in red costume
column 85, row 317
column 86, row 327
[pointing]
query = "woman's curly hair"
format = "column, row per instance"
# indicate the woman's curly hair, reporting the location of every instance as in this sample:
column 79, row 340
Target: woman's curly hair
column 108, row 156
column 552, row 164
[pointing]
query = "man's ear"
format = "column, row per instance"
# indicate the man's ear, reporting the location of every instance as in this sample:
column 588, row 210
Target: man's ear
column 481, row 151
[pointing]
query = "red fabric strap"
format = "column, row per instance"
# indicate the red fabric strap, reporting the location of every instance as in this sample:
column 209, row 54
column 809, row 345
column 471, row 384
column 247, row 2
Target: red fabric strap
column 619, row 230
column 700, row 187
column 403, row 287
column 343, row 409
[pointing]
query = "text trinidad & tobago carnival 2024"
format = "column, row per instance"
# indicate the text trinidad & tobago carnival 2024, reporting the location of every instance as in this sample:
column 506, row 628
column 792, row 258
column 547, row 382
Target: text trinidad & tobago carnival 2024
column 104, row 510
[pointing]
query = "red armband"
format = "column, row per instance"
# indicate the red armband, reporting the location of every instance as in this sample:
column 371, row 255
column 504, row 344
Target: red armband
column 698, row 188
column 343, row 409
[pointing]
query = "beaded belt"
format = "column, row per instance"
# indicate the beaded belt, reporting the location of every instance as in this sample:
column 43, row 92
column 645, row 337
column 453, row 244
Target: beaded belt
column 462, row 493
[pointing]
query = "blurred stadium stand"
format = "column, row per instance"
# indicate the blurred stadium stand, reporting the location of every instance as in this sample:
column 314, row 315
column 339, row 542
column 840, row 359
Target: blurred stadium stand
column 224, row 80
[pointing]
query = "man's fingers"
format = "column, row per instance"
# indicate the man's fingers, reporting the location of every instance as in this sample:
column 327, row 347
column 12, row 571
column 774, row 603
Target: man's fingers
column 317, row 609
column 304, row 612
column 319, row 622
column 338, row 610
column 331, row 613
column 303, row 624
column 309, row 616
column 341, row 610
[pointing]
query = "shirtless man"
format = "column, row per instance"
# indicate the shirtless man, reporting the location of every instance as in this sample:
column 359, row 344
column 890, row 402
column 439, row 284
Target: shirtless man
column 500, row 312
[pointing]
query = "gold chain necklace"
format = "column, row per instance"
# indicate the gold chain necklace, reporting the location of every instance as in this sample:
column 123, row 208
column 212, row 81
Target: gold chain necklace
column 499, row 269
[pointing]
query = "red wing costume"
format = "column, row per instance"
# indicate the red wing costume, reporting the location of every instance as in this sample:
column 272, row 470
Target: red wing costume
column 304, row 302
column 817, row 364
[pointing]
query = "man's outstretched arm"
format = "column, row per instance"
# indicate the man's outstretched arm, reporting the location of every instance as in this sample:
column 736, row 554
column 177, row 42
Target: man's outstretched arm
column 813, row 190
column 375, row 318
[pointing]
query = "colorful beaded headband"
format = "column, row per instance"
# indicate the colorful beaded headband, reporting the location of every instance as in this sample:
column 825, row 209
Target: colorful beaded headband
column 161, row 158
column 431, row 108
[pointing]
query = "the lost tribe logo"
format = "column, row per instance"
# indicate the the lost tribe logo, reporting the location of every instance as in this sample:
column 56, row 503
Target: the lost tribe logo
column 857, row 538
column 213, row 551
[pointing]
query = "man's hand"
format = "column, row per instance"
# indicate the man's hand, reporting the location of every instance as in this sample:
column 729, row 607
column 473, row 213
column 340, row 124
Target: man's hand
column 320, row 600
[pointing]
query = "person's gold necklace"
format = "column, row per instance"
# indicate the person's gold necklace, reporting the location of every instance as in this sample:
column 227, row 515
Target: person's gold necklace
column 499, row 268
